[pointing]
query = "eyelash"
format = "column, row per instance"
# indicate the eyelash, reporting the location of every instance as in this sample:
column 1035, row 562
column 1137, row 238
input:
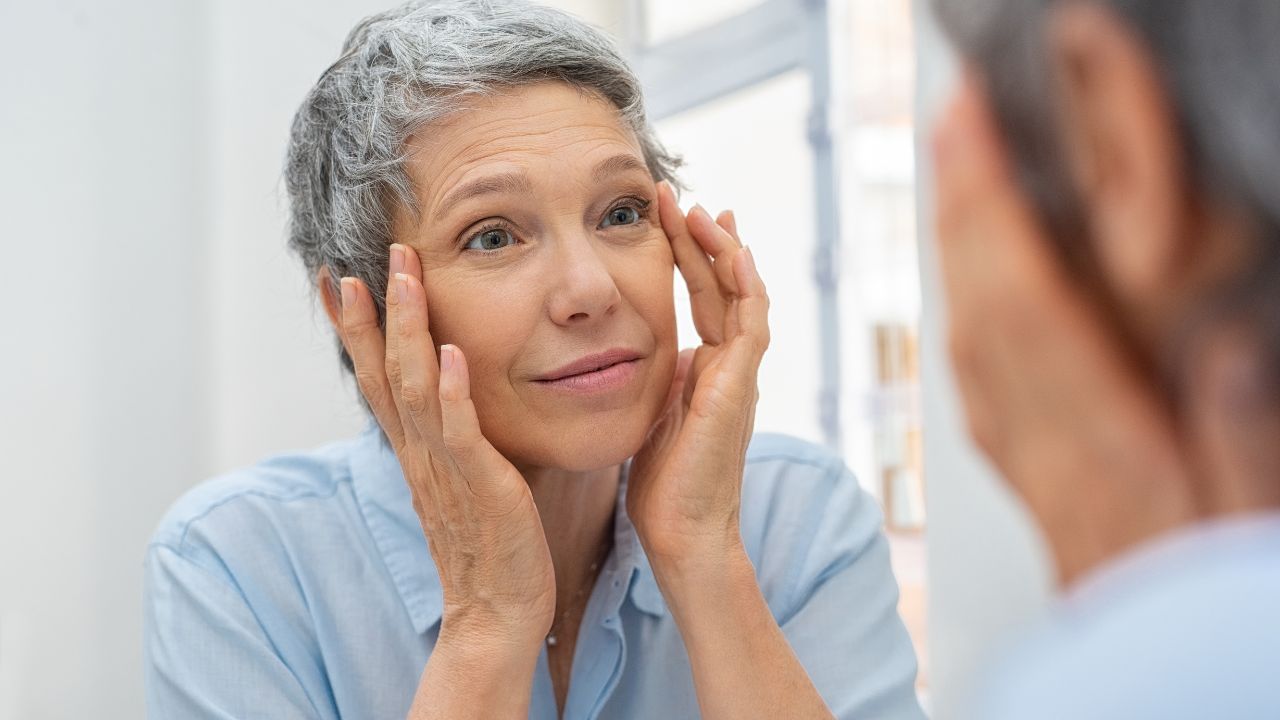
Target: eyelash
column 640, row 205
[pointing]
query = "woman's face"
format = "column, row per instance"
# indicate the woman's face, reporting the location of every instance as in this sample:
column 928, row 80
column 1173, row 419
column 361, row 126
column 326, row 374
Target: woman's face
column 540, row 244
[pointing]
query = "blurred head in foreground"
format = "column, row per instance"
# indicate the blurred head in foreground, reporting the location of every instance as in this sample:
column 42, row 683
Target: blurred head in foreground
column 1109, row 219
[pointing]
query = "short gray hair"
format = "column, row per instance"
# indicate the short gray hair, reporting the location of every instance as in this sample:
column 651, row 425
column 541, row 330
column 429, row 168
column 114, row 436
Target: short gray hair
column 399, row 71
column 1218, row 63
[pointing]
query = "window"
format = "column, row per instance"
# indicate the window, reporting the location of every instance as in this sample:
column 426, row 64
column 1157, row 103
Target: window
column 798, row 115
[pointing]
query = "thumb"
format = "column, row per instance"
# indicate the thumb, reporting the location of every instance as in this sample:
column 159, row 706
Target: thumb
column 683, row 362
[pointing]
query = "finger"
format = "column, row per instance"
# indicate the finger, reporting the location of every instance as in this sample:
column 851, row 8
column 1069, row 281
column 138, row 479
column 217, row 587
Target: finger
column 705, row 298
column 394, row 362
column 362, row 337
column 405, row 259
column 716, row 242
column 727, row 221
column 752, row 307
column 683, row 361
column 974, row 182
column 723, row 247
column 419, row 373
column 479, row 462
column 988, row 234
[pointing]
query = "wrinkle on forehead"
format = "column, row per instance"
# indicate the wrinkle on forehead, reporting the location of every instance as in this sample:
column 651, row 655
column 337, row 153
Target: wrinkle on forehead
column 548, row 120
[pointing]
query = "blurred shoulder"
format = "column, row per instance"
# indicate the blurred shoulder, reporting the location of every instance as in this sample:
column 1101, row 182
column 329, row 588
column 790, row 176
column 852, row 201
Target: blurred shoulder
column 229, row 504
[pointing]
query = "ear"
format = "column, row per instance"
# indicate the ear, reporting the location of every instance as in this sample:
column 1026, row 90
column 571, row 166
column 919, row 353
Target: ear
column 330, row 297
column 1124, row 153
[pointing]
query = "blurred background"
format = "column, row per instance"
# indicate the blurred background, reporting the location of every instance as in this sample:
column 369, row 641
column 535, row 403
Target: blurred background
column 159, row 333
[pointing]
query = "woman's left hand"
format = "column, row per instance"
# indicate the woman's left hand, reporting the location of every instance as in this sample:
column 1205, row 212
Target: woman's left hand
column 684, row 490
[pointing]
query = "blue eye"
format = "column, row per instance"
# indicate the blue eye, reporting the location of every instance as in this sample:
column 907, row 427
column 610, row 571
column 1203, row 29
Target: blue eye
column 622, row 215
column 491, row 239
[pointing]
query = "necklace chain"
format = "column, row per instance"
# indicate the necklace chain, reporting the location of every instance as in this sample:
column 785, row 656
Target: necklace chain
column 552, row 635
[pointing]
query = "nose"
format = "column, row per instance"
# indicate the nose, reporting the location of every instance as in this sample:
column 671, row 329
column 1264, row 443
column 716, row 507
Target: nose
column 583, row 288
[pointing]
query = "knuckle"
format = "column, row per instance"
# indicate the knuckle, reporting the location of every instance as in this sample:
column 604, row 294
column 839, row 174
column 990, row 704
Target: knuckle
column 358, row 328
column 394, row 373
column 455, row 441
column 415, row 397
column 370, row 383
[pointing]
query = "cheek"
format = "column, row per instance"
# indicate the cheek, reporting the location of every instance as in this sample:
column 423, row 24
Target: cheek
column 489, row 331
column 649, row 282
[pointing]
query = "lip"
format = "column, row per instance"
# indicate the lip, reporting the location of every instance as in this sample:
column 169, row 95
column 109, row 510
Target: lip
column 591, row 364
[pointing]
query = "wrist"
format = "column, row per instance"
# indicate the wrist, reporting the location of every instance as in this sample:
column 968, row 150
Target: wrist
column 496, row 634
column 471, row 676
column 708, row 576
column 690, row 551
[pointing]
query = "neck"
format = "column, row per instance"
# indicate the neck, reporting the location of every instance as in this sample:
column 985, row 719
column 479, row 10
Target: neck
column 577, row 511
column 1235, row 422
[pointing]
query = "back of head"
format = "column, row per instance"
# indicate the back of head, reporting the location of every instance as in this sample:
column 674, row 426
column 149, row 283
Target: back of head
column 1217, row 62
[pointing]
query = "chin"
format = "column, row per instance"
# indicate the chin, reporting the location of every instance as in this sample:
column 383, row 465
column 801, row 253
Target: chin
column 583, row 446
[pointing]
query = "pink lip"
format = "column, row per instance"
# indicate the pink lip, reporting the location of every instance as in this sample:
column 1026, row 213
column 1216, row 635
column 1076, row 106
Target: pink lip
column 593, row 373
column 604, row 380
column 592, row 362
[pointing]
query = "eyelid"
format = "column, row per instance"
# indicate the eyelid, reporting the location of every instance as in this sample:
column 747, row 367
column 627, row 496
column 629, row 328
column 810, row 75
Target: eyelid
column 641, row 205
column 484, row 227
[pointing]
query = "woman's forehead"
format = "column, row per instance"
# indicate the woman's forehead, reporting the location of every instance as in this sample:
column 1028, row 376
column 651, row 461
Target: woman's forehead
column 523, row 132
column 546, row 120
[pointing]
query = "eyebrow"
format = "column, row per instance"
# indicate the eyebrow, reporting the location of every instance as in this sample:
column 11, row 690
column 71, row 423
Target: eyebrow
column 517, row 182
column 618, row 165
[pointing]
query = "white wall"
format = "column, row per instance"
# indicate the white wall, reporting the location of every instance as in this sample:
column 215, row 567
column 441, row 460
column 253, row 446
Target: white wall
column 102, row 373
column 987, row 569
column 155, row 329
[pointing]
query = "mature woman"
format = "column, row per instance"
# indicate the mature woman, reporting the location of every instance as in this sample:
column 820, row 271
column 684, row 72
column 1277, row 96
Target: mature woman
column 553, row 512
column 1109, row 216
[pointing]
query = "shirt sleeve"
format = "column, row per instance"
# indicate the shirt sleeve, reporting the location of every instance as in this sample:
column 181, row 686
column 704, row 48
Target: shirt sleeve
column 205, row 652
column 844, row 624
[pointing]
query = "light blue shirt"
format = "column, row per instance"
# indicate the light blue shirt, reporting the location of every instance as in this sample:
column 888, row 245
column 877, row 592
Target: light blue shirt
column 1186, row 627
column 302, row 587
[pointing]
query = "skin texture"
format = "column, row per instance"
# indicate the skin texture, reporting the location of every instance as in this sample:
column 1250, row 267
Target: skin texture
column 515, row 484
column 1113, row 414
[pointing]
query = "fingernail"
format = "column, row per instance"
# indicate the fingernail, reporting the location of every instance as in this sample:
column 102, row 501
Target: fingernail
column 446, row 357
column 348, row 286
column 397, row 258
column 402, row 286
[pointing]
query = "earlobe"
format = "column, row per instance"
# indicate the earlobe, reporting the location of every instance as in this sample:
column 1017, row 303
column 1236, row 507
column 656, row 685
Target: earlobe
column 1124, row 152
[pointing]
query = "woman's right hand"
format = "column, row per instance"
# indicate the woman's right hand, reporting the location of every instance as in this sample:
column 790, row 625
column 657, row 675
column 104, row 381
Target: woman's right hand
column 483, row 528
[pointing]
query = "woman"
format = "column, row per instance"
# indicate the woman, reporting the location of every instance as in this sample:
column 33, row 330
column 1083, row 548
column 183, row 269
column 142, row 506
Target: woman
column 553, row 512
column 1108, row 203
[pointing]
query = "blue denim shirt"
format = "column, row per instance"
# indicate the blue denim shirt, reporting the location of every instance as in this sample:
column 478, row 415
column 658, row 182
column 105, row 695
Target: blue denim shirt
column 302, row 587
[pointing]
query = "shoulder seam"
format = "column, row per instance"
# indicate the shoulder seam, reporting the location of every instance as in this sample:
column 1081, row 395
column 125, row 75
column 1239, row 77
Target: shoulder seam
column 281, row 498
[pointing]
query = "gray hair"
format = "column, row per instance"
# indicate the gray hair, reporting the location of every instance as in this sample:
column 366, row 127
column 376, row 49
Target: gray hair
column 1218, row 64
column 401, row 70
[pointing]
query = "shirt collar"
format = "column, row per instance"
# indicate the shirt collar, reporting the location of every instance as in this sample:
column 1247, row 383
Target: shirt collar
column 385, row 503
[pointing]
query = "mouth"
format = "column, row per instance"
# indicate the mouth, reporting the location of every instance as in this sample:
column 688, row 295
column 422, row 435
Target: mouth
column 596, row 373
